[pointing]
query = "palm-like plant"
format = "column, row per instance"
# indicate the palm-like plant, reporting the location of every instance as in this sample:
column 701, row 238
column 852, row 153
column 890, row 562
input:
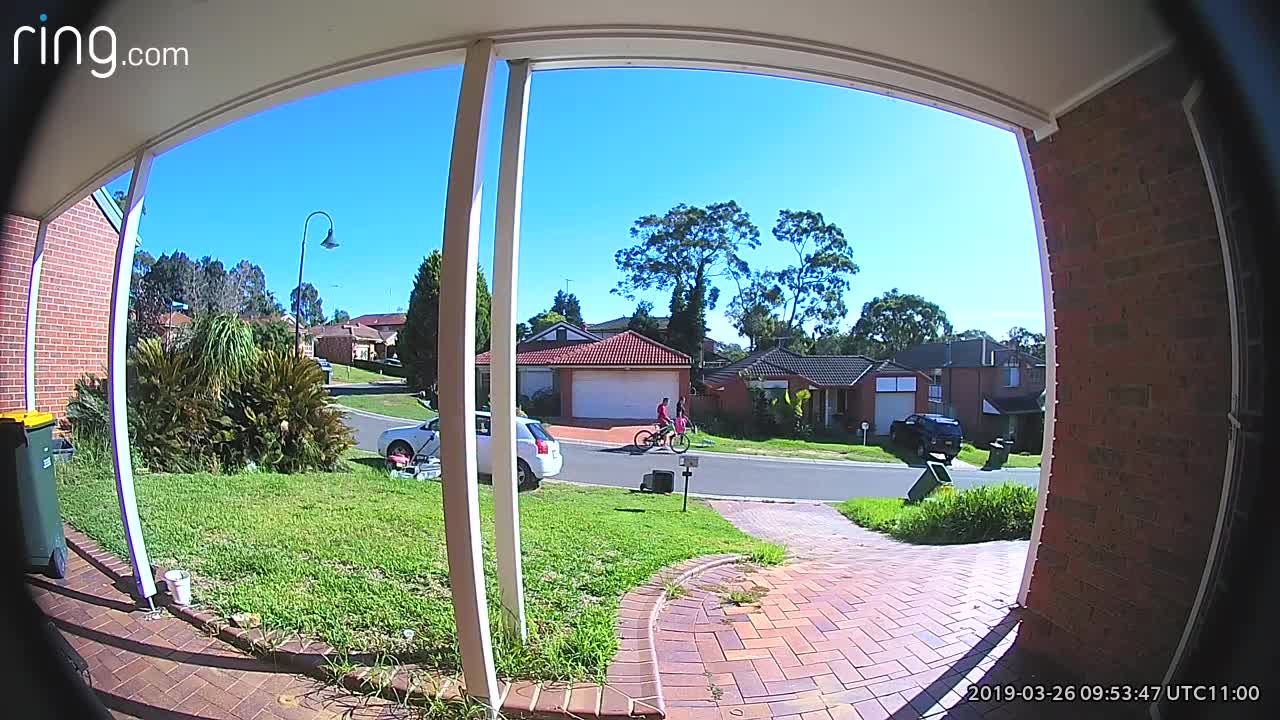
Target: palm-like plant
column 222, row 347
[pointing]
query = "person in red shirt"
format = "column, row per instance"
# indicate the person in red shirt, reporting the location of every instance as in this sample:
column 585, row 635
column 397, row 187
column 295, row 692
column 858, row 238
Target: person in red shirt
column 664, row 420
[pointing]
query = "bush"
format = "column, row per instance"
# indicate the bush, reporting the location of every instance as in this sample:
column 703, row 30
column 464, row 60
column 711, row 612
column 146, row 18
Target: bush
column 222, row 346
column 171, row 411
column 90, row 418
column 279, row 417
column 273, row 336
column 988, row 512
column 544, row 403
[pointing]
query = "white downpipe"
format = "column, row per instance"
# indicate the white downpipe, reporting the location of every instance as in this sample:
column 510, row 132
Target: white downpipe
column 33, row 300
column 457, row 379
column 116, row 354
column 502, row 334
column 1050, row 371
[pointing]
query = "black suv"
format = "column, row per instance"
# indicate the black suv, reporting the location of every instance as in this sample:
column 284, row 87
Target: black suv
column 929, row 435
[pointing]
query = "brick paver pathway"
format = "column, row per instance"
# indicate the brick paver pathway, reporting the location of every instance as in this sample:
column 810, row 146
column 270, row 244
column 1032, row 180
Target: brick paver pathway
column 854, row 625
column 152, row 665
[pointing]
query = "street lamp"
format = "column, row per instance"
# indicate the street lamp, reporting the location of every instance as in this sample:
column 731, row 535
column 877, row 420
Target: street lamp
column 328, row 244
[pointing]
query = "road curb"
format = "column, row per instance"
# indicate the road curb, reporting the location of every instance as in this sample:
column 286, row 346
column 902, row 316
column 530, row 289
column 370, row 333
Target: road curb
column 377, row 416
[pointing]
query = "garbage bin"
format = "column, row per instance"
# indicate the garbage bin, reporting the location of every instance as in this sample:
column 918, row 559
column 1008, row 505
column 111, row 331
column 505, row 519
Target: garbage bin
column 659, row 481
column 26, row 441
column 934, row 475
column 998, row 454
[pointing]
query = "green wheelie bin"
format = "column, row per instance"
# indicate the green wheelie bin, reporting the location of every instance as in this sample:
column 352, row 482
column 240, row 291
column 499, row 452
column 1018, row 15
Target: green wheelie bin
column 26, row 441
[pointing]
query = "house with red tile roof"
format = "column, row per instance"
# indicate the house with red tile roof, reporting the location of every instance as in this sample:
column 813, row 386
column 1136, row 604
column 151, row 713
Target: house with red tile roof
column 620, row 377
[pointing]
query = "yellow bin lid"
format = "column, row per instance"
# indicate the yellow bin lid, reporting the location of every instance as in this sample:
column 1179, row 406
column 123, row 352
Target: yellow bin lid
column 27, row 418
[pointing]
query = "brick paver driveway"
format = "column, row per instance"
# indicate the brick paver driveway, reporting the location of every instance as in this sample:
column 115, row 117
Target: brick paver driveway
column 152, row 665
column 854, row 625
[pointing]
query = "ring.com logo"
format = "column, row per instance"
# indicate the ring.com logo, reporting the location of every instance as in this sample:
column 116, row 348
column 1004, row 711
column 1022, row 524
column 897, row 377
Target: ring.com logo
column 67, row 44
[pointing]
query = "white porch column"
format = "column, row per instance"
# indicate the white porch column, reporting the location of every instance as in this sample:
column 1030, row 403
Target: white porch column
column 457, row 379
column 502, row 367
column 33, row 299
column 116, row 354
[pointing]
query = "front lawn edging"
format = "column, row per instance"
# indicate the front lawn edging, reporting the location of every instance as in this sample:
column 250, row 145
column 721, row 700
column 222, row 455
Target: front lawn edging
column 632, row 690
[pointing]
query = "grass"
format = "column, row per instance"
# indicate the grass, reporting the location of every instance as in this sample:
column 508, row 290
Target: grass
column 987, row 512
column 403, row 405
column 356, row 558
column 345, row 374
column 974, row 456
column 780, row 447
column 745, row 597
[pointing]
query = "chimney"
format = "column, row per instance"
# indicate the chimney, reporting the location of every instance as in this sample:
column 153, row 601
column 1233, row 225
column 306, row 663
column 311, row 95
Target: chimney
column 983, row 359
column 780, row 342
column 946, row 354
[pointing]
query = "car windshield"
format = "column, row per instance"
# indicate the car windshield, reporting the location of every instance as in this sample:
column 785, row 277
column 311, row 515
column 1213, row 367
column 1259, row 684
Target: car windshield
column 539, row 432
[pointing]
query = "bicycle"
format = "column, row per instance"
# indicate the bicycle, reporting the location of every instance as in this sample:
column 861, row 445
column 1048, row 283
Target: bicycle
column 677, row 442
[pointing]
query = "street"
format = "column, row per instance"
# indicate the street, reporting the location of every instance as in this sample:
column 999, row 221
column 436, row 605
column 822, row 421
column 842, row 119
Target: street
column 733, row 476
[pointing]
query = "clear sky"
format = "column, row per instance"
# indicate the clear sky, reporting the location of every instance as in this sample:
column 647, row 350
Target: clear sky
column 931, row 202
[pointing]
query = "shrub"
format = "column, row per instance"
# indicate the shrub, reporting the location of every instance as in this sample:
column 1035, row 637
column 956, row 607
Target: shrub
column 222, row 347
column 273, row 335
column 544, row 403
column 171, row 412
column 90, row 417
column 279, row 417
column 987, row 512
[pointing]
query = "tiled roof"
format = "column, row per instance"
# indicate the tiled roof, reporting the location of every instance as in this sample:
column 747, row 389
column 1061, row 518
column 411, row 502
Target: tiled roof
column 380, row 319
column 826, row 370
column 963, row 353
column 174, row 319
column 347, row 329
column 536, row 352
column 625, row 349
column 622, row 323
column 628, row 348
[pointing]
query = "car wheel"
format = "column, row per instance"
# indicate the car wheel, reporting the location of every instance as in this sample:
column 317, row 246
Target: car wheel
column 525, row 479
column 57, row 568
column 399, row 447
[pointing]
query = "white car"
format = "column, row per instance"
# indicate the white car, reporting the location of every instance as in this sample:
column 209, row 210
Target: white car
column 537, row 453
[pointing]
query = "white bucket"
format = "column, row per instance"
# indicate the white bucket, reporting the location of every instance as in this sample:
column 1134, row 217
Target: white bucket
column 179, row 582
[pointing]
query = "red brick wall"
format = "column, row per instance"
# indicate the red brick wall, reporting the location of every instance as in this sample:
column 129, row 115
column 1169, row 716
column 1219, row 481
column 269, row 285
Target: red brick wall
column 73, row 312
column 1143, row 379
column 865, row 406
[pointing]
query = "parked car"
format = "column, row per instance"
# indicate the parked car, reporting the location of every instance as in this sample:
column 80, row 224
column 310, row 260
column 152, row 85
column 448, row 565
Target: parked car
column 393, row 362
column 537, row 452
column 929, row 434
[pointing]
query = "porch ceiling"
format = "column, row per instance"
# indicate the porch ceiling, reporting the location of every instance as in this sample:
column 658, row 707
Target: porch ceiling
column 1014, row 62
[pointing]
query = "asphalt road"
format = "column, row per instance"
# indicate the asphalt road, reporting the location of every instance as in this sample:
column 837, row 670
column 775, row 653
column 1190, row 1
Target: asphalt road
column 727, row 475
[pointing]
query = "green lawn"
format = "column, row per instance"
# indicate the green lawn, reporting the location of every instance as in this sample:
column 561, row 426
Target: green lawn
column 356, row 557
column 974, row 456
column 346, row 374
column 396, row 405
column 779, row 447
column 1001, row 511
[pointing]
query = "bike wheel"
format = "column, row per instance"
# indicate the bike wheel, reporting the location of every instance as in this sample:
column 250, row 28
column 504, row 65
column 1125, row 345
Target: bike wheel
column 680, row 443
column 643, row 440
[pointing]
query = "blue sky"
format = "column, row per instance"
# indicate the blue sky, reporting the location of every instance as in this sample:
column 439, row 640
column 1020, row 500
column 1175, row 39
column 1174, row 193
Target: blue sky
column 931, row 202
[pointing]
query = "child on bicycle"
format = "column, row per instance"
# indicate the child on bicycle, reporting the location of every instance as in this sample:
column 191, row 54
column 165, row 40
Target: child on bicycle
column 664, row 420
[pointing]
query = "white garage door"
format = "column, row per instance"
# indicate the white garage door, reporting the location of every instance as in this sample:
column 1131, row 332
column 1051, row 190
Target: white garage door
column 624, row 394
column 892, row 406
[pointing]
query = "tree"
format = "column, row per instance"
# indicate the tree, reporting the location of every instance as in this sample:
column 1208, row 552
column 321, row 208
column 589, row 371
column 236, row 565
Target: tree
column 311, row 308
column 147, row 307
column 544, row 320
column 678, row 328
column 753, row 315
column 567, row 305
column 120, row 196
column 274, row 335
column 251, row 285
column 210, row 289
column 142, row 263
column 1026, row 341
column 340, row 317
column 972, row 334
column 691, row 247
column 418, row 343
column 522, row 331
column 172, row 277
column 895, row 321
column 813, row 289
column 732, row 351
column 642, row 321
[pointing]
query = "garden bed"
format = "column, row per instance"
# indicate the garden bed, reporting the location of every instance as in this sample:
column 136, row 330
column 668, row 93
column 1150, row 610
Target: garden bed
column 355, row 558
column 988, row 512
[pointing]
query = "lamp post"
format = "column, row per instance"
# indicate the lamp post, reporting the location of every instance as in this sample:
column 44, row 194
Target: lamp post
column 328, row 244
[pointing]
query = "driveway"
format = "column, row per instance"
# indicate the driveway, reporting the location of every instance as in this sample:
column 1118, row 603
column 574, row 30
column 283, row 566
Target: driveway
column 854, row 625
column 733, row 476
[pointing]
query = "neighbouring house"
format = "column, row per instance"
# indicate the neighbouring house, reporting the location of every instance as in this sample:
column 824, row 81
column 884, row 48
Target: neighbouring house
column 620, row 377
column 992, row 389
column 74, row 303
column 306, row 341
column 388, row 326
column 174, row 323
column 846, row 390
column 347, row 342
column 710, row 358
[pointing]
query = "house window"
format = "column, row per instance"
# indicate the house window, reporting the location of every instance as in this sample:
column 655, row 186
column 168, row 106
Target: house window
column 562, row 334
column 935, row 392
column 895, row 384
column 1036, row 375
column 1011, row 374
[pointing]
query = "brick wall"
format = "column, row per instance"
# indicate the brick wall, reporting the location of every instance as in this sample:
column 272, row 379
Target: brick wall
column 73, row 311
column 1143, row 379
